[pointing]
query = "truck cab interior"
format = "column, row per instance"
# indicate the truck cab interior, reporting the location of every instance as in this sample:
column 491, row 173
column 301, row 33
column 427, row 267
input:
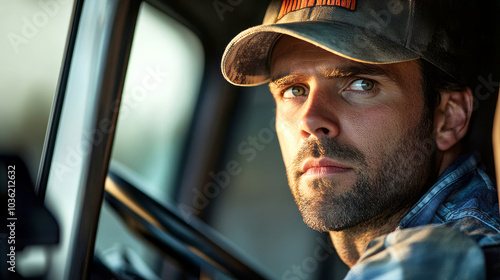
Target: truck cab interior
column 135, row 159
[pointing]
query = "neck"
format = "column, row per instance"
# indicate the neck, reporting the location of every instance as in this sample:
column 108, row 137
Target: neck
column 350, row 243
column 444, row 159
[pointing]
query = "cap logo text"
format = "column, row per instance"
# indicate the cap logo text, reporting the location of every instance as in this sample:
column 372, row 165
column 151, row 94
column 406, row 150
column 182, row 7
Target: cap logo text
column 293, row 5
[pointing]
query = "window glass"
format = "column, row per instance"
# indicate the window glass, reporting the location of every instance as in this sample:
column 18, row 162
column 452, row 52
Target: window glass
column 160, row 92
column 161, row 88
column 32, row 42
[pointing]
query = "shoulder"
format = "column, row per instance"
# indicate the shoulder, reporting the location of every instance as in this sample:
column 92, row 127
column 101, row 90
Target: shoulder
column 442, row 251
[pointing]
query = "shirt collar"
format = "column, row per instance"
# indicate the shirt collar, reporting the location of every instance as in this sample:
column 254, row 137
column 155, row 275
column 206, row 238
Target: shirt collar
column 423, row 211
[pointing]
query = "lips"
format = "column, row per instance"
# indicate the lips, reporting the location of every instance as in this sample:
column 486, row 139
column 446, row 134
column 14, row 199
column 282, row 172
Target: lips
column 323, row 167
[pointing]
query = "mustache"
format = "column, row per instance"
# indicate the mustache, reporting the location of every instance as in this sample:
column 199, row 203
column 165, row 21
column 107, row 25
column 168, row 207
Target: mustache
column 330, row 148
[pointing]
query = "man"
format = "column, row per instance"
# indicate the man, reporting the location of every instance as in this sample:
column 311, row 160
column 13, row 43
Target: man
column 371, row 110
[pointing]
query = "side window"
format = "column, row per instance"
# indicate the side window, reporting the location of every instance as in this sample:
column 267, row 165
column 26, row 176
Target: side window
column 161, row 88
column 32, row 41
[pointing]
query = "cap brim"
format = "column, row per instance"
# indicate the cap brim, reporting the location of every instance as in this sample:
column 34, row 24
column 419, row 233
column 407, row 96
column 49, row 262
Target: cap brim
column 245, row 61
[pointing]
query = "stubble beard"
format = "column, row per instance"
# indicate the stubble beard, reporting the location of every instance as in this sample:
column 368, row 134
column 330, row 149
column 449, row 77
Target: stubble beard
column 398, row 180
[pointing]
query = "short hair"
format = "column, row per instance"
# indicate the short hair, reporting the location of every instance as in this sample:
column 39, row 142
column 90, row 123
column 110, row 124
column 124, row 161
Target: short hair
column 434, row 80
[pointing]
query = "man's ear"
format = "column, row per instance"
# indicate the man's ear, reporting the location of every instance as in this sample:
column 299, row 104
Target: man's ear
column 451, row 117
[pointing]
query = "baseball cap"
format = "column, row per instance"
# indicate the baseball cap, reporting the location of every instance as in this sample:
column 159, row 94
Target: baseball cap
column 368, row 31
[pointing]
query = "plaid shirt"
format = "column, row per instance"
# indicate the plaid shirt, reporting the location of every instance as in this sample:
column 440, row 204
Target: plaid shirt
column 453, row 232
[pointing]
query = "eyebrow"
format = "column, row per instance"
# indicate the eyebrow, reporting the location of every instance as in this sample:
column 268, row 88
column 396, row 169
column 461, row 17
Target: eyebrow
column 284, row 78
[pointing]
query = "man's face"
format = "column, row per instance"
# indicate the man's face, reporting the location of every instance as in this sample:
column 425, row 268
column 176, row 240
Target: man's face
column 354, row 137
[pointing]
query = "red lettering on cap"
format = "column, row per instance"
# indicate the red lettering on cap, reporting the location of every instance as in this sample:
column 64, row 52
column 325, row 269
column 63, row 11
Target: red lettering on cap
column 293, row 5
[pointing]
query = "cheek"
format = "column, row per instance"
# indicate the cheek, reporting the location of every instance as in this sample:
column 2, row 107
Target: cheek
column 287, row 139
column 376, row 132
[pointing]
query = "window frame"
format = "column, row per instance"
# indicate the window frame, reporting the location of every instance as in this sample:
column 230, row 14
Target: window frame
column 212, row 109
column 75, row 254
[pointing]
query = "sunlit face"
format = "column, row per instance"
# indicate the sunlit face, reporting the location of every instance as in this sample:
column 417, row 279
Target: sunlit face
column 355, row 138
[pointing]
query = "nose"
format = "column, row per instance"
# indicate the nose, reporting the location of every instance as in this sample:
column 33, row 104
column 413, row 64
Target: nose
column 319, row 118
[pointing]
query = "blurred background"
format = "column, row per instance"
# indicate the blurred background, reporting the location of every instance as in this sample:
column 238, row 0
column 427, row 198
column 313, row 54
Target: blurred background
column 32, row 41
